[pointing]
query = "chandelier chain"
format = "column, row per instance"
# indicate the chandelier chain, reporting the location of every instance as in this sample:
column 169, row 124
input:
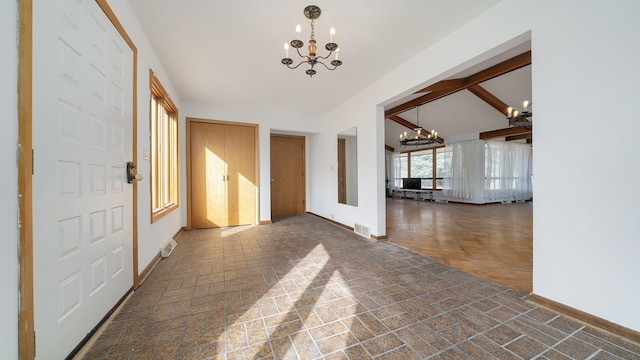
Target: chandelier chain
column 312, row 31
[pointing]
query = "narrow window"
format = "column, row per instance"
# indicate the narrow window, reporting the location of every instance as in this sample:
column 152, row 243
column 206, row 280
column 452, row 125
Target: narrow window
column 164, row 151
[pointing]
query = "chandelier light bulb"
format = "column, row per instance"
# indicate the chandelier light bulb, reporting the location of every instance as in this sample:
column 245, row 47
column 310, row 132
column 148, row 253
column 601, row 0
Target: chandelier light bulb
column 286, row 50
column 332, row 32
column 298, row 30
column 517, row 118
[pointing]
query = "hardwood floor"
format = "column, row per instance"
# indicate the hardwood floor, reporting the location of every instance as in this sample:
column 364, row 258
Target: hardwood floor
column 493, row 240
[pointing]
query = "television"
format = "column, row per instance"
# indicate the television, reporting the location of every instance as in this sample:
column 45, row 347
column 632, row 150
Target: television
column 412, row 183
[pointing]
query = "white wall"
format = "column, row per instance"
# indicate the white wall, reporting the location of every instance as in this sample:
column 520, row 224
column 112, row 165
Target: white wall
column 9, row 181
column 269, row 120
column 150, row 236
column 585, row 82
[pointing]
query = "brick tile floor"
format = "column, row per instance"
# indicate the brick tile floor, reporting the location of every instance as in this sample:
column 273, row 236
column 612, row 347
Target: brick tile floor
column 302, row 288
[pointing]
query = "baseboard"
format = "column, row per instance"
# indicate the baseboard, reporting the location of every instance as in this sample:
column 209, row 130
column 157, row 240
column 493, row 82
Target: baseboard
column 147, row 270
column 341, row 225
column 332, row 221
column 81, row 348
column 156, row 259
column 606, row 325
column 178, row 233
column 264, row 222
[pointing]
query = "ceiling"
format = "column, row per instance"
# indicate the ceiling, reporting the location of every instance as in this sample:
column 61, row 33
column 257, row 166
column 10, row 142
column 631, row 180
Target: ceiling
column 229, row 52
column 463, row 115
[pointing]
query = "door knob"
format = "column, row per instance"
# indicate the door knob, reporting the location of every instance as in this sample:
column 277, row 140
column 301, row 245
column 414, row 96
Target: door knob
column 132, row 175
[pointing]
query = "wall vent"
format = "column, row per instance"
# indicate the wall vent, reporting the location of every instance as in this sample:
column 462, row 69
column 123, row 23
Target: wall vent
column 167, row 248
column 362, row 230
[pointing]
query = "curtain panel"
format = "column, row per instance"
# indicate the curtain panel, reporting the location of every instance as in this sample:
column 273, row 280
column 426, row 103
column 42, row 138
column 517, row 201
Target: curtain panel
column 465, row 180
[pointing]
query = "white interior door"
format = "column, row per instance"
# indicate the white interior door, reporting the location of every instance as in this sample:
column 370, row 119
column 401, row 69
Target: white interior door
column 82, row 204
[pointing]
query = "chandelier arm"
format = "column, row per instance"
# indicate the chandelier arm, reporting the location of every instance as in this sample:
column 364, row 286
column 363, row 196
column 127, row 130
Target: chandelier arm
column 302, row 56
column 325, row 57
column 325, row 65
column 300, row 63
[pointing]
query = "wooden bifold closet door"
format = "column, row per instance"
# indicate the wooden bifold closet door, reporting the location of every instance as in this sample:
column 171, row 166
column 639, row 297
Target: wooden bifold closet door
column 223, row 174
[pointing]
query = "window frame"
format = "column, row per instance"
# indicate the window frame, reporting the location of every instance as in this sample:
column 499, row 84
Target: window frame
column 163, row 136
column 434, row 176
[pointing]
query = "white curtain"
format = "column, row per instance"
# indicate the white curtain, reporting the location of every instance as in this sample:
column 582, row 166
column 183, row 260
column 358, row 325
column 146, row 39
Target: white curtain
column 507, row 171
column 398, row 170
column 388, row 168
column 465, row 180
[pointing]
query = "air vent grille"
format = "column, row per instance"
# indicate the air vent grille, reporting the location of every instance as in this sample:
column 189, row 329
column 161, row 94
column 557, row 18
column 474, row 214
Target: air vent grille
column 362, row 230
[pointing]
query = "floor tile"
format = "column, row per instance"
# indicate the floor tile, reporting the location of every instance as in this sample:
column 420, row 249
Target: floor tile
column 294, row 290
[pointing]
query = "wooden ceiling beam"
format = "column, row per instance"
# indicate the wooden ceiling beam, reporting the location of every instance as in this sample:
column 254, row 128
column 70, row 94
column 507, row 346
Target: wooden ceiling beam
column 434, row 95
column 406, row 123
column 489, row 98
column 444, row 85
column 502, row 68
column 389, row 148
column 519, row 137
column 504, row 132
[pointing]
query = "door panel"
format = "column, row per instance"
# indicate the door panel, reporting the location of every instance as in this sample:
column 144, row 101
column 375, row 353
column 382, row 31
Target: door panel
column 208, row 168
column 82, row 211
column 287, row 175
column 240, row 158
column 223, row 173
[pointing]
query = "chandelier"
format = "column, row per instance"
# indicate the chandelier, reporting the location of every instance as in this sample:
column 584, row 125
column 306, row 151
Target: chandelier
column 517, row 118
column 312, row 12
column 419, row 136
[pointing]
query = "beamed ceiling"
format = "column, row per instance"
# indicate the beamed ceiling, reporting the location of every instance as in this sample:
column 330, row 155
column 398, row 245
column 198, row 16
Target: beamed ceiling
column 472, row 103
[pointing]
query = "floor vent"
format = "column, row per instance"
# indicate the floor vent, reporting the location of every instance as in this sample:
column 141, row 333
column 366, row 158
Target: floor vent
column 441, row 201
column 362, row 230
column 167, row 248
column 506, row 201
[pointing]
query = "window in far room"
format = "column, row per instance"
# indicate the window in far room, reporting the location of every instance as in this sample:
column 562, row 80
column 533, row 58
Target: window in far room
column 164, row 151
column 424, row 164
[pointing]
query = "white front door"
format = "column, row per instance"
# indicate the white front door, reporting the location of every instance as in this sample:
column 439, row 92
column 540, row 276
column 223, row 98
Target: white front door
column 82, row 139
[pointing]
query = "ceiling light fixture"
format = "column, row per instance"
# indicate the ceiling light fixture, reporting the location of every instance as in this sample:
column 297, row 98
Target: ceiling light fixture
column 419, row 136
column 312, row 13
column 517, row 118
